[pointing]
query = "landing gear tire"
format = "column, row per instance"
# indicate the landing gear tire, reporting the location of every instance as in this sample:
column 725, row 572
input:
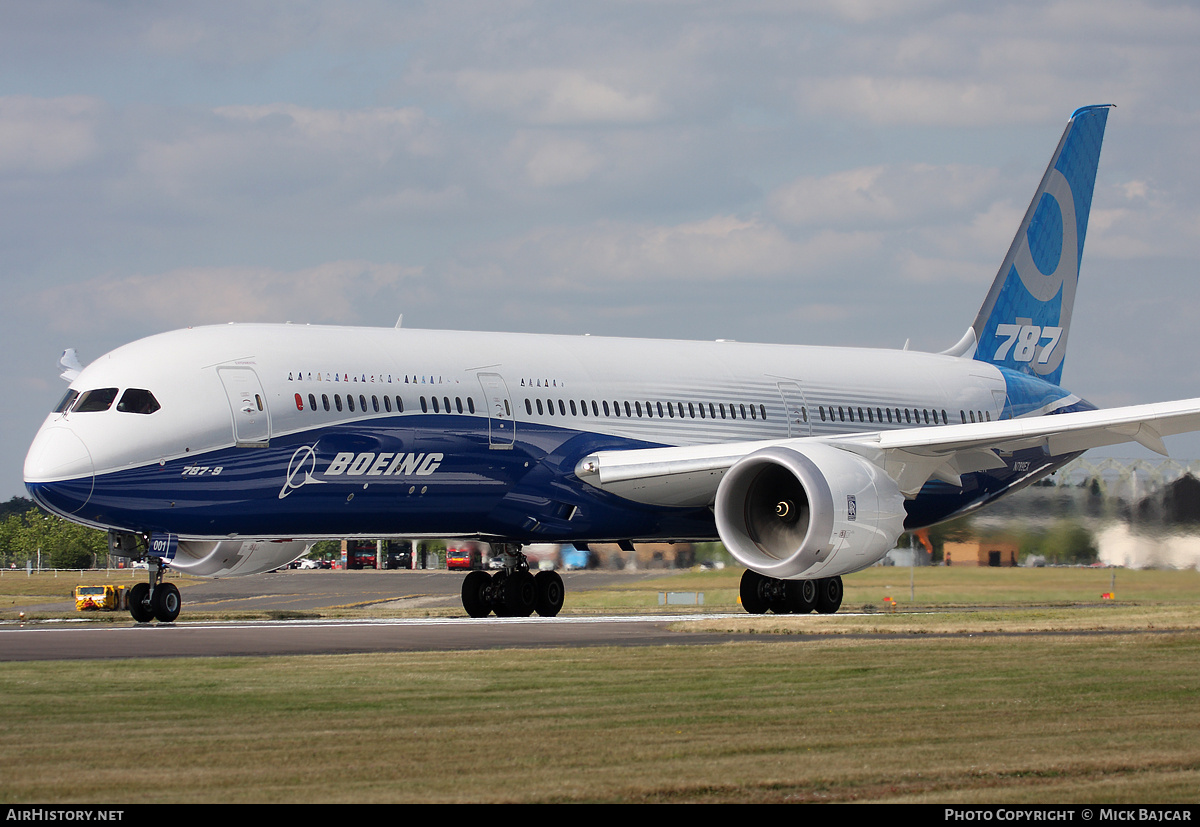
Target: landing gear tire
column 496, row 598
column 550, row 593
column 519, row 594
column 138, row 600
column 475, row 588
column 753, row 593
column 829, row 595
column 166, row 604
column 514, row 591
column 802, row 596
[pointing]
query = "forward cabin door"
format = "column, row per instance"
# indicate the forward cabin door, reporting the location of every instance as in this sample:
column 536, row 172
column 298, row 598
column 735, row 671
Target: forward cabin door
column 502, row 424
column 248, row 404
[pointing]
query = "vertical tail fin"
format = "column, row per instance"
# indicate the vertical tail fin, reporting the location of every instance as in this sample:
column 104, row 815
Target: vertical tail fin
column 1025, row 319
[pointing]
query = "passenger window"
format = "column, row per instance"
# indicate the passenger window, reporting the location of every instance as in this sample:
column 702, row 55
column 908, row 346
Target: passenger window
column 97, row 400
column 136, row 400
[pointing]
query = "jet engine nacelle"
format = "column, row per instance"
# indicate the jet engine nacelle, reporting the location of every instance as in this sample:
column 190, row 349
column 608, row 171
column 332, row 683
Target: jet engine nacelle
column 221, row 558
column 815, row 511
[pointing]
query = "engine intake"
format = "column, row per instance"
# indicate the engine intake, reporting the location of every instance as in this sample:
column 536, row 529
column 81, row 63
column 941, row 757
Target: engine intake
column 819, row 511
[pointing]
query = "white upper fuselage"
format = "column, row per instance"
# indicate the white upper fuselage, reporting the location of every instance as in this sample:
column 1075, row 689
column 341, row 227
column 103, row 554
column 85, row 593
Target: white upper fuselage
column 658, row 392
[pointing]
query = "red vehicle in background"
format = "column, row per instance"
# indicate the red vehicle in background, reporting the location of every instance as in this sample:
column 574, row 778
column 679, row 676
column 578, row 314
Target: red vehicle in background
column 464, row 557
column 360, row 554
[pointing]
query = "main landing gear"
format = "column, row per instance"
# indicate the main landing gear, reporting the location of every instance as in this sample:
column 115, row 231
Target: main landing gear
column 156, row 600
column 761, row 593
column 514, row 591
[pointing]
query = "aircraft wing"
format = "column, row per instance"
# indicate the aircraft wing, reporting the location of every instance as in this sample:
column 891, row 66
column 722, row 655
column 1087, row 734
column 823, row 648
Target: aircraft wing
column 689, row 475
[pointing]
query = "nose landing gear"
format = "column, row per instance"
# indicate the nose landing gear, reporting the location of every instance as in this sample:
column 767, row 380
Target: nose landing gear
column 156, row 600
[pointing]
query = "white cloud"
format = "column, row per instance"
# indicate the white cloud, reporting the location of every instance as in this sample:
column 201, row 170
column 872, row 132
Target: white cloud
column 912, row 194
column 331, row 292
column 605, row 258
column 555, row 97
column 552, row 161
column 47, row 135
column 922, row 100
column 376, row 132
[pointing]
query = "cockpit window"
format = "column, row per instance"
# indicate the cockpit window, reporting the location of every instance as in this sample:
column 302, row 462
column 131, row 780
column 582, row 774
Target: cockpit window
column 97, row 400
column 71, row 396
column 136, row 400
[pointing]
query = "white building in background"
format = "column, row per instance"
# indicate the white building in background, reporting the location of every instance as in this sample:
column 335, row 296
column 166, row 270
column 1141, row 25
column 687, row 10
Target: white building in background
column 1119, row 545
column 1142, row 513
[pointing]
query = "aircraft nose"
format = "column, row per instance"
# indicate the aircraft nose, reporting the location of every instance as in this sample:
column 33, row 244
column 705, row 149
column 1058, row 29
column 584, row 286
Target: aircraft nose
column 58, row 470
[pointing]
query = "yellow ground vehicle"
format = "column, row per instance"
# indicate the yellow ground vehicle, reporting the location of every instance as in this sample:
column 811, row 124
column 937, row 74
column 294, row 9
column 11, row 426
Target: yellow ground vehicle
column 101, row 598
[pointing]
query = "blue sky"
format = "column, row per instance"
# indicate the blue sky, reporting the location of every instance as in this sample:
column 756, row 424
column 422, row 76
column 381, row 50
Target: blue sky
column 842, row 173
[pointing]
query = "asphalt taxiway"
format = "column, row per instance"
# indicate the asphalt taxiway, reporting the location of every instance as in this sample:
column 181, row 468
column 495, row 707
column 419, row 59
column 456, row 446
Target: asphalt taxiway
column 292, row 593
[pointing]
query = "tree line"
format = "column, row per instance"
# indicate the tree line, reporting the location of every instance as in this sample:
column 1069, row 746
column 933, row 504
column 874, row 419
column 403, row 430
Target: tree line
column 29, row 534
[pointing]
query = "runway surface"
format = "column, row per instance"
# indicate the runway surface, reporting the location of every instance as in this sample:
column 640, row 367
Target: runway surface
column 312, row 591
column 273, row 638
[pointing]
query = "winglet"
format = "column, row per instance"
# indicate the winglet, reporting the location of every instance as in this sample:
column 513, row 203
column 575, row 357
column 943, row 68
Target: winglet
column 69, row 362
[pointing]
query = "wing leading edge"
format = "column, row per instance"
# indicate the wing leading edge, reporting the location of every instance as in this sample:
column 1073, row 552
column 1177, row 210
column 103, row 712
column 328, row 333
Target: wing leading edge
column 689, row 476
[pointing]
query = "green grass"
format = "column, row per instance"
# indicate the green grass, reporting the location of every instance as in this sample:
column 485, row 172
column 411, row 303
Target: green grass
column 1039, row 719
column 930, row 587
column 991, row 686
